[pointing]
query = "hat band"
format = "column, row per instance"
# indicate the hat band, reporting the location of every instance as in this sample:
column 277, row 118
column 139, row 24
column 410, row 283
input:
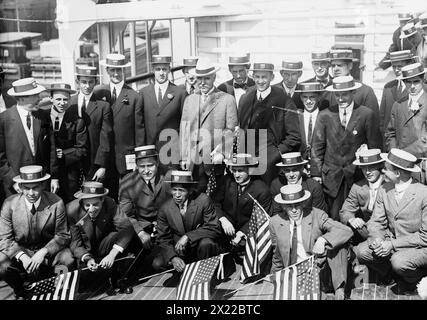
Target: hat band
column 369, row 159
column 32, row 175
column 400, row 162
column 232, row 60
column 292, row 66
column 146, row 154
column 25, row 87
column 341, row 57
column 181, row 179
column 60, row 86
column 204, row 71
column 293, row 196
column 409, row 31
column 295, row 160
column 263, row 66
column 314, row 87
column 413, row 72
column 120, row 62
column 92, row 190
column 344, row 85
column 241, row 161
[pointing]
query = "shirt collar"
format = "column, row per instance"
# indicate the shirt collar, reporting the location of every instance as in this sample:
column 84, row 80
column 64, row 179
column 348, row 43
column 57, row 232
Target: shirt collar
column 163, row 86
column 118, row 86
column 184, row 206
column 244, row 82
column 87, row 97
column 298, row 222
column 348, row 109
column 403, row 186
column 415, row 98
column 21, row 110
column 245, row 183
column 55, row 113
column 210, row 91
column 30, row 205
column 377, row 183
column 264, row 94
column 291, row 90
column 313, row 113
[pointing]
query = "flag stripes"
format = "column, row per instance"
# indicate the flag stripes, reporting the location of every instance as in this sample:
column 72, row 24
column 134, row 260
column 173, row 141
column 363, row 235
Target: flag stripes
column 61, row 287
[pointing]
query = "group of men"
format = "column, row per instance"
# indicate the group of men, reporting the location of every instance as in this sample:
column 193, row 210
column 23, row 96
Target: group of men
column 173, row 171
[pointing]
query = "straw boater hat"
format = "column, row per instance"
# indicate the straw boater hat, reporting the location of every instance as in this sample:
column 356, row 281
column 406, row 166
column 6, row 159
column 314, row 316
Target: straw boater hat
column 65, row 87
column 292, row 193
column 190, row 62
column 408, row 30
column 158, row 59
column 241, row 160
column 423, row 21
column 404, row 16
column 402, row 55
column 291, row 159
column 291, row 66
column 239, row 59
column 320, row 56
column 115, row 60
column 309, row 87
column 342, row 54
column 31, row 174
column 343, row 83
column 86, row 71
column 412, row 70
column 263, row 67
column 181, row 177
column 204, row 67
column 91, row 189
column 25, row 87
column 401, row 159
column 145, row 152
column 368, row 157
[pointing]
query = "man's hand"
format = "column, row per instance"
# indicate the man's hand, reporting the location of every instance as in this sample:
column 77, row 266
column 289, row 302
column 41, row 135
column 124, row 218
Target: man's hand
column 17, row 188
column 239, row 235
column 59, row 153
column 37, row 259
column 99, row 174
column 107, row 261
column 26, row 261
column 145, row 239
column 178, row 264
column 54, row 185
column 183, row 165
column 91, row 264
column 356, row 223
column 216, row 156
column 227, row 226
column 318, row 179
column 181, row 244
column 319, row 246
column 384, row 249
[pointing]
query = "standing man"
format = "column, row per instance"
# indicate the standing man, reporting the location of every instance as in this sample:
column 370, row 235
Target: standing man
column 291, row 72
column 267, row 109
column 98, row 119
column 33, row 232
column 422, row 47
column 71, row 140
column 340, row 131
column 6, row 101
column 190, row 85
column 238, row 65
column 162, row 105
column 26, row 137
column 128, row 116
column 321, row 62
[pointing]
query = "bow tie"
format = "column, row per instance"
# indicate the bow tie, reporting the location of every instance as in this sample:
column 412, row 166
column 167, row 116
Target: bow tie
column 241, row 86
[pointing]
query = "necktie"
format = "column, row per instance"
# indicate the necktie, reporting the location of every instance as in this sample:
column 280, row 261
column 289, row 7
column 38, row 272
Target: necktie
column 114, row 96
column 294, row 248
column 260, row 98
column 33, row 210
column 371, row 199
column 84, row 105
column 289, row 94
column 182, row 209
column 310, row 129
column 344, row 119
column 93, row 239
column 150, row 186
column 241, row 86
column 239, row 191
column 56, row 126
column 29, row 120
column 159, row 96
column 191, row 89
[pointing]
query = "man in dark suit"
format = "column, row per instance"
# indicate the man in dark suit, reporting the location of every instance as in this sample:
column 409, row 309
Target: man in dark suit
column 187, row 225
column 233, row 199
column 71, row 139
column 266, row 110
column 128, row 118
column 291, row 72
column 25, row 136
column 190, row 85
column 340, row 131
column 162, row 104
column 33, row 232
column 238, row 65
column 299, row 230
column 6, row 101
column 98, row 119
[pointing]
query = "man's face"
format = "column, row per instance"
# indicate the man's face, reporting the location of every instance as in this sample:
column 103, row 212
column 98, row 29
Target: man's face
column 290, row 78
column 390, row 173
column 341, row 68
column 263, row 79
column 92, row 206
column 292, row 174
column 239, row 73
column 32, row 191
column 179, row 194
column 206, row 83
column 241, row 174
column 310, row 100
column 344, row 98
column 415, row 39
column 147, row 168
column 191, row 79
column 398, row 65
column 414, row 85
column 116, row 74
column 60, row 100
column 161, row 72
column 372, row 172
column 321, row 68
column 294, row 211
column 30, row 103
column 86, row 84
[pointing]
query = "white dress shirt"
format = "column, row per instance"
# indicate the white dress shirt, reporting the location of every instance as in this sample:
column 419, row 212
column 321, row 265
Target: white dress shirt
column 413, row 101
column 373, row 191
column 349, row 111
column 163, row 87
column 264, row 94
column 307, row 120
column 239, row 92
column 183, row 208
column 399, row 189
column 290, row 91
column 205, row 97
column 54, row 114
column 2, row 104
column 29, row 133
column 80, row 101
column 301, row 253
column 118, row 86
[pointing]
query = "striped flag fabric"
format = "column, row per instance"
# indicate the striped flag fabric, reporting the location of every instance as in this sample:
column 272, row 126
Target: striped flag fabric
column 258, row 242
column 299, row 281
column 196, row 278
column 61, row 287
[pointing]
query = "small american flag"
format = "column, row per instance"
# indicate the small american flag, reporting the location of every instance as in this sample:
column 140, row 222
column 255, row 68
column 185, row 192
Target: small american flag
column 297, row 282
column 196, row 279
column 61, row 287
column 258, row 242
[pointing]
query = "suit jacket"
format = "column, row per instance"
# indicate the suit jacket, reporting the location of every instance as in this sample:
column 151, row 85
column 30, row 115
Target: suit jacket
column 8, row 100
column 404, row 223
column 315, row 223
column 295, row 97
column 199, row 221
column 334, row 147
column 391, row 93
column 407, row 130
column 110, row 219
column 238, row 210
column 167, row 115
column 138, row 202
column 51, row 231
column 98, row 119
column 128, row 122
column 228, row 87
column 219, row 112
column 15, row 151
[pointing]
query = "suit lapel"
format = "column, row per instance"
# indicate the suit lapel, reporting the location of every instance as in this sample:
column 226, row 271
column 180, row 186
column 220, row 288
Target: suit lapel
column 17, row 119
column 285, row 233
column 354, row 119
column 22, row 217
column 302, row 128
column 190, row 214
column 211, row 103
column 158, row 186
column 306, row 230
column 246, row 116
column 165, row 101
column 91, row 106
column 392, row 201
column 44, row 212
column 176, row 217
column 119, row 105
column 407, row 197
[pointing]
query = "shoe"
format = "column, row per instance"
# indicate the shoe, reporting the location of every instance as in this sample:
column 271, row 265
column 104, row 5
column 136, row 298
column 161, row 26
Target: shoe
column 404, row 288
column 339, row 294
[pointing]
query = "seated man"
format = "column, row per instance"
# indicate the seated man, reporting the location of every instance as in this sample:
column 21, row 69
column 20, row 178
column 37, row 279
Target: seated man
column 300, row 230
column 100, row 231
column 357, row 208
column 187, row 225
column 232, row 201
column 397, row 229
column 33, row 232
column 292, row 172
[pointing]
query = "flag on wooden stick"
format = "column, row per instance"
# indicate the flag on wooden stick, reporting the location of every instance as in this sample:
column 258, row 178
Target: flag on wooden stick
column 61, row 287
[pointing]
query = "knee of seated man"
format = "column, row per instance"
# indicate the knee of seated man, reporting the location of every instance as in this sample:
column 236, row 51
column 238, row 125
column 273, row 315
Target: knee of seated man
column 5, row 263
column 66, row 258
column 158, row 263
column 206, row 243
column 399, row 264
column 362, row 251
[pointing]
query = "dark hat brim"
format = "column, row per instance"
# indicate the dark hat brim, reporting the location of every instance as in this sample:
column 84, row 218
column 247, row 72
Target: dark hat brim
column 81, row 195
